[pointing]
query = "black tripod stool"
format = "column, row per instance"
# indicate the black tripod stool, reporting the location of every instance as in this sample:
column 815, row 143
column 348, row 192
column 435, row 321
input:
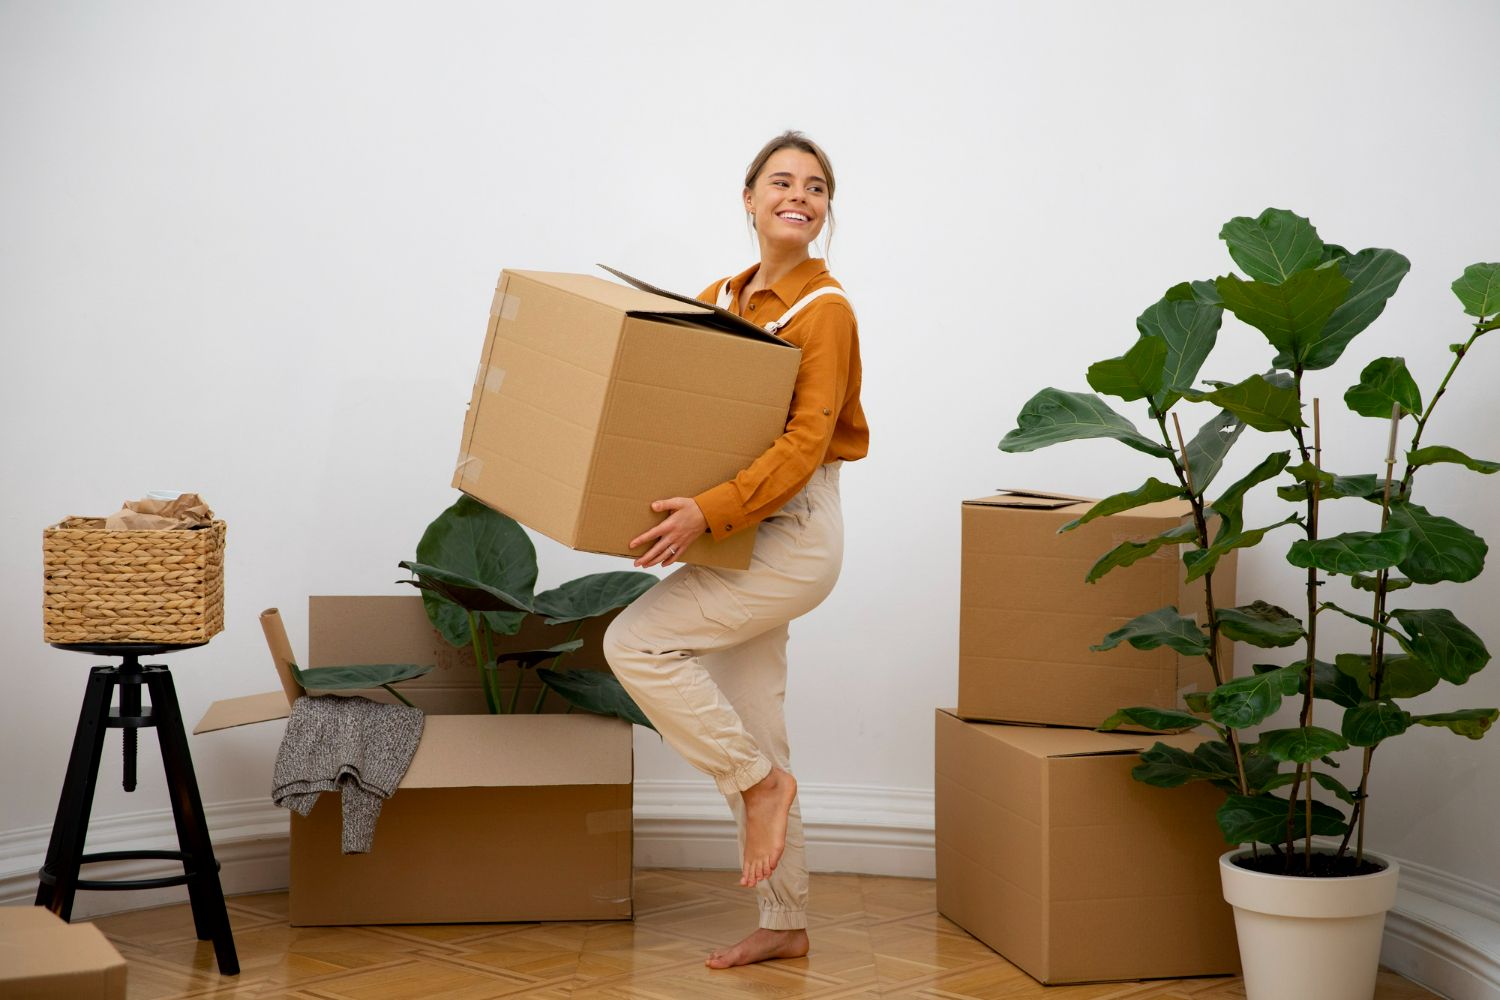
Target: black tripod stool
column 200, row 871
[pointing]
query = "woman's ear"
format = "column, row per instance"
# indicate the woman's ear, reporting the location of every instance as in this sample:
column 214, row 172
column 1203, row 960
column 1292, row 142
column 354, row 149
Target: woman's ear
column 749, row 201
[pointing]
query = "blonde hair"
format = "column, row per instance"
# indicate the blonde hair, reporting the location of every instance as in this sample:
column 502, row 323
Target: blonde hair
column 792, row 139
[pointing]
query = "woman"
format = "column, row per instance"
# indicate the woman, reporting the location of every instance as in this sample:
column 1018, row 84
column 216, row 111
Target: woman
column 704, row 651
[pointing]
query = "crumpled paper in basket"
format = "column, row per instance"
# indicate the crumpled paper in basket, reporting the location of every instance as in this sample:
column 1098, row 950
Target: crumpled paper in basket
column 185, row 512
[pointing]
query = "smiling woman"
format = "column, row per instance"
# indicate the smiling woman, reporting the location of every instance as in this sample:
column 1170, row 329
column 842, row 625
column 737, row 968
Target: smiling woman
column 703, row 653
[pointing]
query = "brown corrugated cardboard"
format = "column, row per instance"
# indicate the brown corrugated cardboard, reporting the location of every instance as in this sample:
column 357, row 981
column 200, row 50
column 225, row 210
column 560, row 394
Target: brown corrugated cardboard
column 1027, row 617
column 43, row 958
column 1048, row 852
column 593, row 399
column 499, row 818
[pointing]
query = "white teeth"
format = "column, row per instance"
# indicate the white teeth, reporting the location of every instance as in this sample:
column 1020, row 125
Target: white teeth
column 794, row 215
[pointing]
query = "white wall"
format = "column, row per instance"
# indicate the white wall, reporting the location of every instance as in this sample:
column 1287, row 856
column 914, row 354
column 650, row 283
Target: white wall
column 249, row 249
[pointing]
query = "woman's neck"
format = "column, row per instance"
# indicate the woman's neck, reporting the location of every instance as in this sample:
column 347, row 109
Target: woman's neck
column 775, row 264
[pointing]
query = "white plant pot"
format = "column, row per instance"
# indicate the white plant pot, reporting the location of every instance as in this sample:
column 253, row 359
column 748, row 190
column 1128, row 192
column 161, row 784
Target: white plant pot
column 1309, row 938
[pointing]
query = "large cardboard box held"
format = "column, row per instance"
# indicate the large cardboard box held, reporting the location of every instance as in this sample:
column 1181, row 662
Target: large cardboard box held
column 499, row 818
column 1027, row 617
column 593, row 399
column 43, row 958
column 1051, row 854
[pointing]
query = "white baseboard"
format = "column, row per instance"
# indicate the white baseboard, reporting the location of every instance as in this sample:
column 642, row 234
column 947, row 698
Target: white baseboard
column 1444, row 931
column 678, row 824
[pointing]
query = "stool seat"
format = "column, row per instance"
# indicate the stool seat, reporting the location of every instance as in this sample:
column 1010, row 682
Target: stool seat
column 59, row 876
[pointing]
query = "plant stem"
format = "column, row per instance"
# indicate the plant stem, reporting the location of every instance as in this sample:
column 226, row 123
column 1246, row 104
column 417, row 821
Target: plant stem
column 542, row 695
column 399, row 696
column 484, row 680
column 1195, row 499
column 1305, row 717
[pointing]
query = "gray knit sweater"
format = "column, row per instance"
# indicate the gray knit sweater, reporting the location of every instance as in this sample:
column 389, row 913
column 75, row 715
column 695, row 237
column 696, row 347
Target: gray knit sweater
column 355, row 746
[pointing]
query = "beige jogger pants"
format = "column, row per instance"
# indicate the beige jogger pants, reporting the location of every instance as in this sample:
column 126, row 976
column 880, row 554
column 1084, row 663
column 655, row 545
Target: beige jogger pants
column 704, row 655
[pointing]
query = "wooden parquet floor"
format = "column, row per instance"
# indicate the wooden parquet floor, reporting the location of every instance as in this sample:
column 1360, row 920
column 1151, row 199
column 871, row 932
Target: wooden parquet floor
column 872, row 937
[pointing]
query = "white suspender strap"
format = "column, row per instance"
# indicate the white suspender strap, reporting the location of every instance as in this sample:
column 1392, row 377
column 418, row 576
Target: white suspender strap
column 802, row 303
column 726, row 298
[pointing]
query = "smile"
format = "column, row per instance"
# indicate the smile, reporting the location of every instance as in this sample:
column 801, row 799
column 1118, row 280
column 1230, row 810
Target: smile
column 792, row 216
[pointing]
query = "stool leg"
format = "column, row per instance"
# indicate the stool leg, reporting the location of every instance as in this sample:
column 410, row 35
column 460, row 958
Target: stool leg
column 71, row 826
column 210, row 915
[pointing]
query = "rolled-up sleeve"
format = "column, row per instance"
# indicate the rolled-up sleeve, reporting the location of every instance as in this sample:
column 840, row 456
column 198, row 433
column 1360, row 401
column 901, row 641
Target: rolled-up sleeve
column 826, row 330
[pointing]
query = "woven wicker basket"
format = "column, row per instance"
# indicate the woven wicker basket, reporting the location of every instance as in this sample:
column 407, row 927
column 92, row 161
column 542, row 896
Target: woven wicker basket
column 132, row 586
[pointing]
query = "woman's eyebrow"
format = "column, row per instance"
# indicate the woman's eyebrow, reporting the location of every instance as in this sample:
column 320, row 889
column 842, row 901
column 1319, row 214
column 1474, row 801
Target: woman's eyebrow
column 788, row 175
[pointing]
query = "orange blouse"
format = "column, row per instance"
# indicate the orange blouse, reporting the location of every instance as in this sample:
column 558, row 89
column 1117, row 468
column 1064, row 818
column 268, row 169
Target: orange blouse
column 825, row 422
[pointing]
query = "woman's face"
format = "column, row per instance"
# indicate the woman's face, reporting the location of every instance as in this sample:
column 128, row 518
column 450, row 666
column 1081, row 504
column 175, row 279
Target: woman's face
column 789, row 201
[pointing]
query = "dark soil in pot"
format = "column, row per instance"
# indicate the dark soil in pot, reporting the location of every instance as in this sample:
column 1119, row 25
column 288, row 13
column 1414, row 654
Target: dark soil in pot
column 1323, row 865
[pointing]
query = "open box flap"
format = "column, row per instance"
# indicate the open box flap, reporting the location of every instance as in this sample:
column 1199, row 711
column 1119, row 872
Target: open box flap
column 1035, row 499
column 722, row 319
column 1058, row 741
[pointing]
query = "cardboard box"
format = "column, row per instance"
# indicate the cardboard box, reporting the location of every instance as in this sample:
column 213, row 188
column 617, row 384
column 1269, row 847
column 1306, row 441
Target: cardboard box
column 499, row 818
column 43, row 958
column 1051, row 854
column 593, row 399
column 1027, row 617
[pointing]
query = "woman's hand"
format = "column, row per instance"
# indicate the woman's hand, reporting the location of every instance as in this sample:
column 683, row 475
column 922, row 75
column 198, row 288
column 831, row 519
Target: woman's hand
column 673, row 535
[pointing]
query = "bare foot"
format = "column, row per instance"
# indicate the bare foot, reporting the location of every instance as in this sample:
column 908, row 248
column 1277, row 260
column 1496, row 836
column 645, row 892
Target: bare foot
column 761, row 946
column 767, row 803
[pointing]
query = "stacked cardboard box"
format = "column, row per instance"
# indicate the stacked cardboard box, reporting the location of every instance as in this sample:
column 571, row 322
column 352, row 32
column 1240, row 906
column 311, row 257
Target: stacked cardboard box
column 1047, row 850
column 499, row 818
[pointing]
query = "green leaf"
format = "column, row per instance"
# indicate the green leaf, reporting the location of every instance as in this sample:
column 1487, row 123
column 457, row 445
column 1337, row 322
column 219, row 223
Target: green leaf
column 1370, row 583
column 1374, row 276
column 1207, row 448
column 465, row 592
column 1249, row 701
column 594, row 691
column 1401, row 675
column 1134, row 375
column 1434, row 453
column 1328, row 684
column 1129, row 552
column 1291, row 315
column 592, row 595
column 1201, row 292
column 1263, row 819
column 1383, row 384
column 1478, row 288
column 526, row 658
column 1444, row 643
column 1231, row 501
column 1160, row 719
column 1442, row 549
column 1216, row 754
column 1332, row 487
column 483, row 545
column 1470, row 722
column 1301, row 744
column 1162, row 627
column 356, row 677
column 1328, row 781
column 1353, row 551
column 1201, row 561
column 1196, row 701
column 1260, row 624
column 1257, row 401
column 1151, row 491
column 1367, row 724
column 1189, row 328
column 1164, row 766
column 1053, row 416
column 1274, row 245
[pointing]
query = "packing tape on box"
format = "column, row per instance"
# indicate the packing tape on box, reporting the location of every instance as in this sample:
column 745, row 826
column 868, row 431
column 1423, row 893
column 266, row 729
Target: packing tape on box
column 613, row 891
column 505, row 306
column 608, row 821
column 468, row 469
column 493, row 378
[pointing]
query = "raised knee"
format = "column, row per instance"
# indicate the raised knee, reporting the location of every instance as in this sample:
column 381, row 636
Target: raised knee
column 618, row 646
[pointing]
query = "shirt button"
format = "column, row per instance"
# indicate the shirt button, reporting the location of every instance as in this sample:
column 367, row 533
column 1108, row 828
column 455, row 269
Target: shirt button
column 826, row 411
column 752, row 305
column 728, row 527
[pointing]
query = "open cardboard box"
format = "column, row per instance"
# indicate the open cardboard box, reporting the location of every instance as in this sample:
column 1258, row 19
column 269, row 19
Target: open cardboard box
column 1027, row 617
column 593, row 399
column 43, row 958
column 1051, row 854
column 499, row 818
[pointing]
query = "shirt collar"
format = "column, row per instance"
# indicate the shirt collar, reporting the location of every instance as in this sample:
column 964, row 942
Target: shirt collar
column 790, row 288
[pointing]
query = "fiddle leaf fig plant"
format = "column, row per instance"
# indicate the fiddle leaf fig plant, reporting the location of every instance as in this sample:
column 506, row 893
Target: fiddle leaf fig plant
column 476, row 569
column 1308, row 299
